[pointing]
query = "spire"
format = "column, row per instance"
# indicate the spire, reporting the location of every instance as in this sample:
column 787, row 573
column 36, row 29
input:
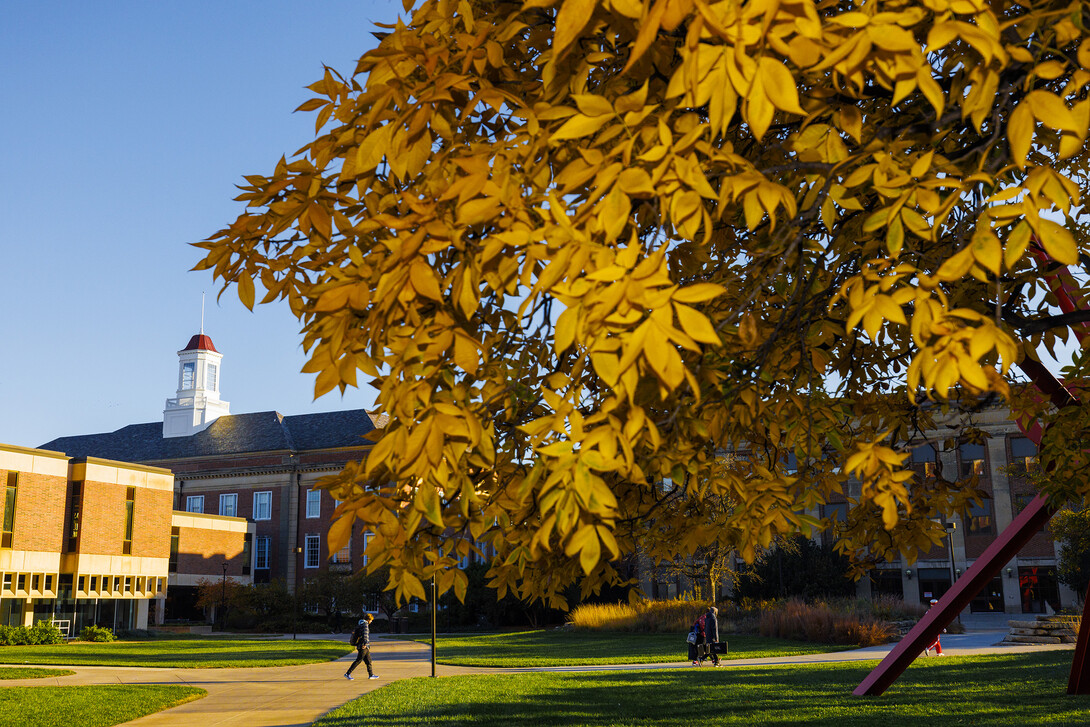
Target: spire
column 202, row 313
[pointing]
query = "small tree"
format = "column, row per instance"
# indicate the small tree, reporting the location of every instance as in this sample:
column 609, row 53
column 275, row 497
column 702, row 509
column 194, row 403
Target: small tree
column 799, row 567
column 1071, row 529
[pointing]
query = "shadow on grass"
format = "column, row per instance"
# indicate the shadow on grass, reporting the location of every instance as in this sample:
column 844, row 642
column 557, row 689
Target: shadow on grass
column 1015, row 690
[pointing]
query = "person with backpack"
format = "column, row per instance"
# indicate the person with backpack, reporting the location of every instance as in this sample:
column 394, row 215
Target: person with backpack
column 361, row 639
column 706, row 629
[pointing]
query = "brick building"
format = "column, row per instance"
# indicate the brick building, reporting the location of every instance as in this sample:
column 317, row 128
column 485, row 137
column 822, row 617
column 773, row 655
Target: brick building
column 259, row 467
column 88, row 540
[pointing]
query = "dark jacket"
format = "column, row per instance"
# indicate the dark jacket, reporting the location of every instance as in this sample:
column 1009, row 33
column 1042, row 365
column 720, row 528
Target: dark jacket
column 711, row 627
column 361, row 636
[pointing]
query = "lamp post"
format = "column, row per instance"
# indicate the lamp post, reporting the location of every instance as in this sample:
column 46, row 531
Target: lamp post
column 949, row 528
column 223, row 598
column 295, row 598
column 433, row 609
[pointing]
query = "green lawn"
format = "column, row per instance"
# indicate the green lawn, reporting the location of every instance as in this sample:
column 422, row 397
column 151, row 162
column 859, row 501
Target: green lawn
column 99, row 706
column 179, row 653
column 1017, row 690
column 573, row 648
column 14, row 672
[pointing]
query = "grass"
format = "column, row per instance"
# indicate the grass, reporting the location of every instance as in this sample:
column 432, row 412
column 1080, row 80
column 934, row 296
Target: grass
column 15, row 672
column 98, row 706
column 1015, row 690
column 179, row 653
column 573, row 648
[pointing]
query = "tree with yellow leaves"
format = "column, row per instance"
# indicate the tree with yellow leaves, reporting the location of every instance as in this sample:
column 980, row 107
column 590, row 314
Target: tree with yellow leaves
column 584, row 248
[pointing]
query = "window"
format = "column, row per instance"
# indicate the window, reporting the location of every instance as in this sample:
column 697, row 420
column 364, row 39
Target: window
column 73, row 517
column 247, row 553
column 79, row 583
column 189, row 371
column 261, row 553
column 972, row 460
column 194, row 503
column 313, row 543
column 1023, row 455
column 130, row 505
column 21, row 583
column 924, row 461
column 172, row 565
column 94, row 583
column 9, row 510
column 229, row 505
column 366, row 542
column 979, row 519
column 263, row 505
column 344, row 555
column 211, row 376
column 314, row 503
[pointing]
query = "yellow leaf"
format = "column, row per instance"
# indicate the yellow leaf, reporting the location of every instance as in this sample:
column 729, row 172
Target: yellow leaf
column 246, row 290
column 423, row 281
column 698, row 293
column 570, row 21
column 1058, row 242
column 592, row 105
column 780, row 86
column 340, row 530
column 1050, row 110
column 477, row 210
column 695, row 324
column 851, row 122
column 565, row 329
column 759, row 109
column 427, row 502
column 1016, row 244
column 1020, row 133
column 579, row 126
column 465, row 353
column 333, row 299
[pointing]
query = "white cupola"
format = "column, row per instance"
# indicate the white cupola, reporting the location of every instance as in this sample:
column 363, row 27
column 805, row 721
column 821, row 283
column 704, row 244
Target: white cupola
column 197, row 403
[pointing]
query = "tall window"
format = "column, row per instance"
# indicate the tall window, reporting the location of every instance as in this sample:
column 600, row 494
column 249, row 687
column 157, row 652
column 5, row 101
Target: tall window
column 189, row 373
column 172, row 564
column 261, row 553
column 73, row 516
column 229, row 505
column 366, row 542
column 194, row 503
column 263, row 505
column 972, row 460
column 923, row 461
column 313, row 544
column 344, row 555
column 1023, row 455
column 247, row 553
column 9, row 510
column 130, row 505
column 314, row 503
column 979, row 519
column 211, row 376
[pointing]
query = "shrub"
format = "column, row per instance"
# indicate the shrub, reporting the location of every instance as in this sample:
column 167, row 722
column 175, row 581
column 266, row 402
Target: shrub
column 818, row 622
column 643, row 616
column 44, row 632
column 96, row 633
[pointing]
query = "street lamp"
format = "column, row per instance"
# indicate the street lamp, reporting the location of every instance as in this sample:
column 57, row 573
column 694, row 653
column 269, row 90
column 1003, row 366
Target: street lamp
column 950, row 528
column 295, row 598
column 223, row 598
column 433, row 607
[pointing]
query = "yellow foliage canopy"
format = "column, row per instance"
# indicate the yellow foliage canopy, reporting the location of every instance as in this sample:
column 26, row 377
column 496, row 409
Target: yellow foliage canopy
column 585, row 247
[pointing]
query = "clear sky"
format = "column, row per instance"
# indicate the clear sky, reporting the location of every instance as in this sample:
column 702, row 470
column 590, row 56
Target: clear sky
column 124, row 127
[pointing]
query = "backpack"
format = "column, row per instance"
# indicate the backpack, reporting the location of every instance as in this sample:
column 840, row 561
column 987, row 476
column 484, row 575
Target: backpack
column 698, row 627
column 356, row 637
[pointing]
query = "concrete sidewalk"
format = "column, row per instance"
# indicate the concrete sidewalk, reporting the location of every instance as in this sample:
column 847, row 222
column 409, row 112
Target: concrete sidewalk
column 293, row 696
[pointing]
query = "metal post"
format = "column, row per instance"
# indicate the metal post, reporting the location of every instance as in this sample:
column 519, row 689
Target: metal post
column 950, row 527
column 433, row 609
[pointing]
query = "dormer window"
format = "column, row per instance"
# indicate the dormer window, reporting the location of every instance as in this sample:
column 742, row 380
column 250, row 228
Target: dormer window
column 189, row 375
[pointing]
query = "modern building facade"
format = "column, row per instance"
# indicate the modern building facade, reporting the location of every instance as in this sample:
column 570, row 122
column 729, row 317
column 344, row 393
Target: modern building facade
column 88, row 541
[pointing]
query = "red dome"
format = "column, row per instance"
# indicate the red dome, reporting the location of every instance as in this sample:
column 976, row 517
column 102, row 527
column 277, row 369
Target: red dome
column 200, row 342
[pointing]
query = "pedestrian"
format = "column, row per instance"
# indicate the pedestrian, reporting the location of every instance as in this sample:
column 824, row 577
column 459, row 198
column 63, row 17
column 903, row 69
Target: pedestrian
column 936, row 646
column 711, row 632
column 361, row 639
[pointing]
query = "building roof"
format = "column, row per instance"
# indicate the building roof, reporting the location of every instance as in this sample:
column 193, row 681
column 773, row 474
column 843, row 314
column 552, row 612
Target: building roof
column 200, row 342
column 230, row 434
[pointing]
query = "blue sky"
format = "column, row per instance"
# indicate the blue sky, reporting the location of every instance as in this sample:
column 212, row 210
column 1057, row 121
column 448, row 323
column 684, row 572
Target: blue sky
column 124, row 127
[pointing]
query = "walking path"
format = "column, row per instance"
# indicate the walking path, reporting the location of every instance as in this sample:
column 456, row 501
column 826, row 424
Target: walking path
column 294, row 696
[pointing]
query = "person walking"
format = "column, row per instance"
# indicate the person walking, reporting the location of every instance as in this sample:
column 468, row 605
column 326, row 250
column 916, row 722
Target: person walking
column 711, row 632
column 361, row 639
